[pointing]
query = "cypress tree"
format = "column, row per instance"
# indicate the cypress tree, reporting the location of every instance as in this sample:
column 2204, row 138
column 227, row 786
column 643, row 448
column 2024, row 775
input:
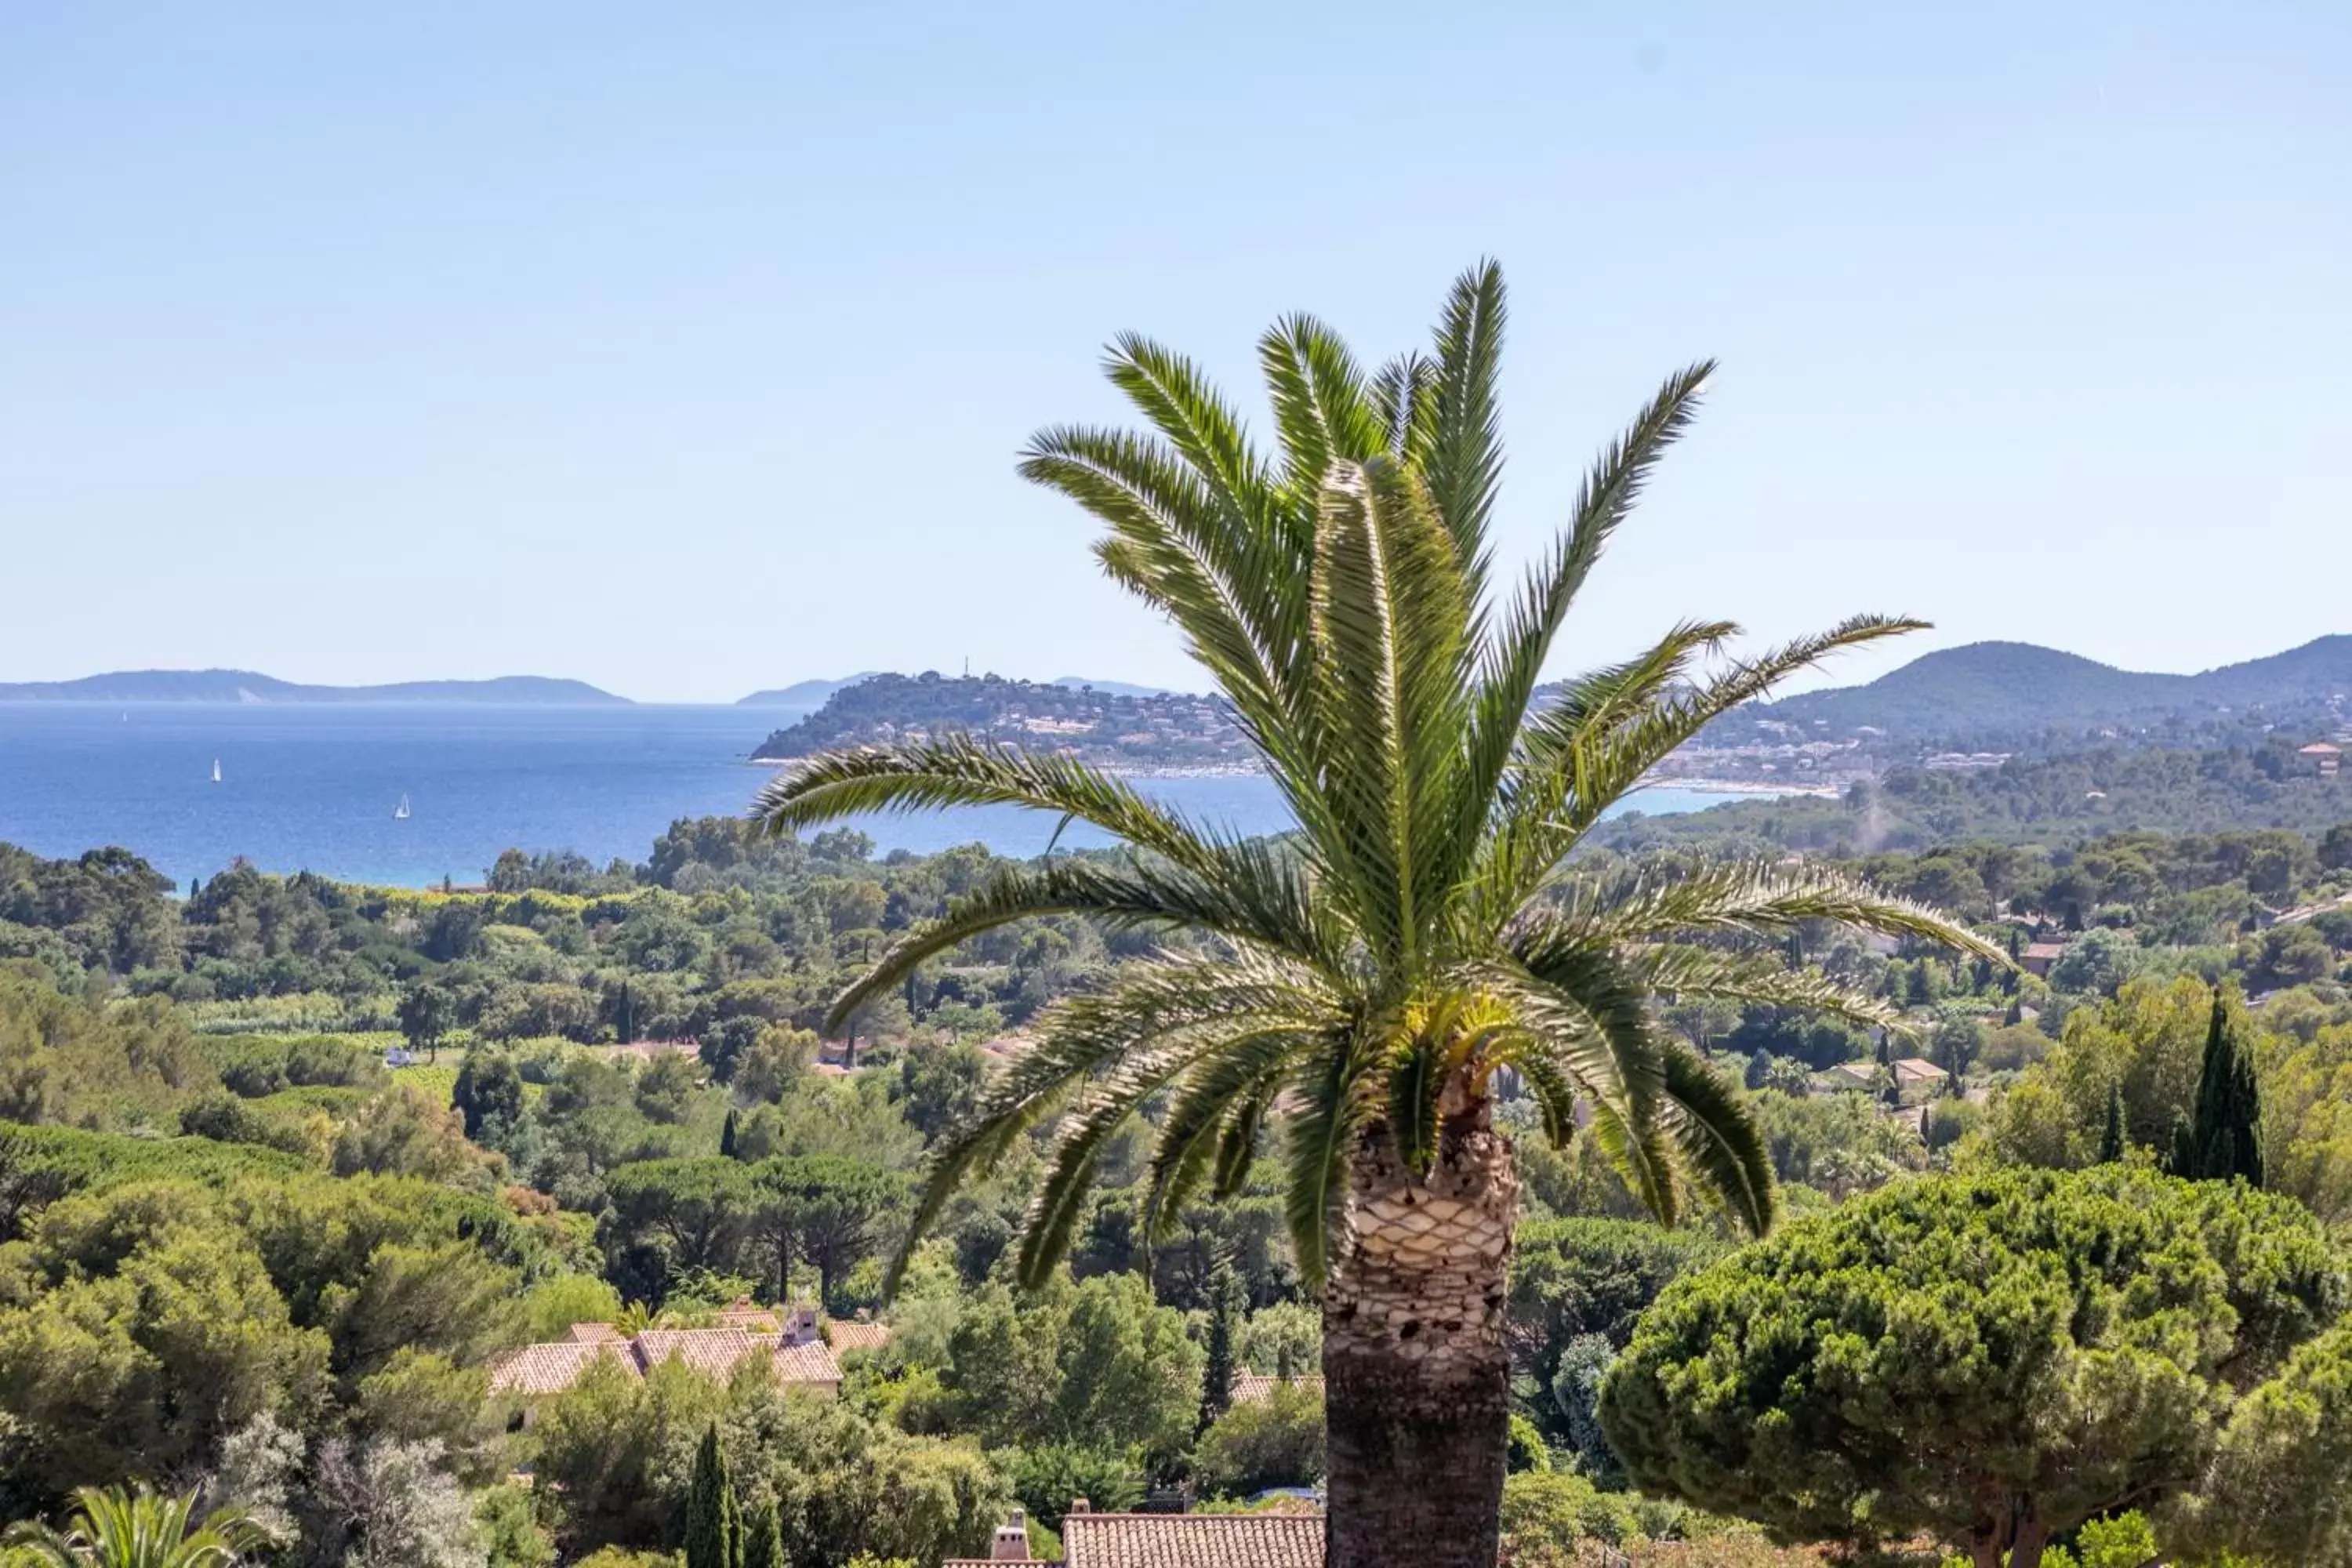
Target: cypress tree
column 763, row 1537
column 2111, row 1140
column 713, row 1536
column 727, row 1136
column 1224, row 1337
column 2224, row 1136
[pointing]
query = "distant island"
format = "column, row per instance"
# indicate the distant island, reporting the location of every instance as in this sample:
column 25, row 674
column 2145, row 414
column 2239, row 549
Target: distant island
column 1107, row 727
column 806, row 694
column 246, row 686
column 803, row 694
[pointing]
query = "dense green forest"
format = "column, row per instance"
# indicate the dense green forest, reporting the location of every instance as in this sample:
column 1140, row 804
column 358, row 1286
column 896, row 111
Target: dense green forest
column 2046, row 800
column 239, row 1250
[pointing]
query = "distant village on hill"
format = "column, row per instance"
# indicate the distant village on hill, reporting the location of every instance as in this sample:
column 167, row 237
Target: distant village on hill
column 1162, row 732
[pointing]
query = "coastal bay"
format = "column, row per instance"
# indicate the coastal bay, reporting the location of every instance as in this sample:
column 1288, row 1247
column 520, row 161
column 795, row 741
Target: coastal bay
column 314, row 787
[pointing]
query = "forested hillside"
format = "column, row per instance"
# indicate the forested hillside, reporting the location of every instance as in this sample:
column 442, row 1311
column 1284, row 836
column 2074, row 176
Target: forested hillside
column 2052, row 801
column 2019, row 688
column 1116, row 729
column 237, row 1246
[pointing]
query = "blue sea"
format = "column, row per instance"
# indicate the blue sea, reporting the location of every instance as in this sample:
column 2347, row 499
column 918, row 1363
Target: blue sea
column 314, row 787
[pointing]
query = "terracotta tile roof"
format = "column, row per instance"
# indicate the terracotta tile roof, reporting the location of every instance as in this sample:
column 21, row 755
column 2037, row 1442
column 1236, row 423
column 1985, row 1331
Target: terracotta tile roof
column 1249, row 1388
column 536, row 1370
column 712, row 1350
column 808, row 1362
column 594, row 1334
column 1919, row 1069
column 1193, row 1540
column 856, row 1336
column 550, row 1369
column 743, row 1314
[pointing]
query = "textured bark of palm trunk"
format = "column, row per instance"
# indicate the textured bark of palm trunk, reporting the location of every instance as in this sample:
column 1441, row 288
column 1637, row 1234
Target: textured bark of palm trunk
column 1416, row 1372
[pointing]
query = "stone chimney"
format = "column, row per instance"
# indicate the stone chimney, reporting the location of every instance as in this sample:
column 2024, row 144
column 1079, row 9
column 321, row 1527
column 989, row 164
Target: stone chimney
column 799, row 1325
column 1080, row 1505
column 1011, row 1543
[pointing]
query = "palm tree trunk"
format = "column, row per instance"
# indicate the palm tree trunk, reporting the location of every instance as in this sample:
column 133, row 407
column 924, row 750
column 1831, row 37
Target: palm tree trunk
column 1415, row 1371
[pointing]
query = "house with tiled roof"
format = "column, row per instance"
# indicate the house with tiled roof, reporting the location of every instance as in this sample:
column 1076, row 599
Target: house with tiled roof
column 787, row 1342
column 857, row 1334
column 1917, row 1076
column 1861, row 1075
column 1091, row 1540
column 1252, row 1388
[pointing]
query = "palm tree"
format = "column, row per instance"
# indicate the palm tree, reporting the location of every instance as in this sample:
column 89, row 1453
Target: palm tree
column 140, row 1528
column 1367, row 979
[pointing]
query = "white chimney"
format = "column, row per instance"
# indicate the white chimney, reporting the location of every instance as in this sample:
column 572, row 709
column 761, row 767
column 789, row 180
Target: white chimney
column 1011, row 1543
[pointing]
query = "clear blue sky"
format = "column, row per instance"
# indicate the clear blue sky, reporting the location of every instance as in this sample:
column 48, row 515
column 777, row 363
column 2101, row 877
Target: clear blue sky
column 687, row 349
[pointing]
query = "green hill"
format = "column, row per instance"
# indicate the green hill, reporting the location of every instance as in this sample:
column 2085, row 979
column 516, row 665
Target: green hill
column 1106, row 727
column 1990, row 687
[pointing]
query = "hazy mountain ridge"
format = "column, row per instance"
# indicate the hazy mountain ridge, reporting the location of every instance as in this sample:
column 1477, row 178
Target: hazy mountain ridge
column 248, row 686
column 1996, row 685
column 803, row 693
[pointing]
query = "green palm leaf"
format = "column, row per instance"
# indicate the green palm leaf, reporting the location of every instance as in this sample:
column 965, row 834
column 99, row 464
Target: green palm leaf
column 1424, row 928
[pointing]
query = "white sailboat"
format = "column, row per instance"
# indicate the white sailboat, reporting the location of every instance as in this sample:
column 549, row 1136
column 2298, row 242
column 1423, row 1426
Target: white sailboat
column 215, row 769
column 400, row 812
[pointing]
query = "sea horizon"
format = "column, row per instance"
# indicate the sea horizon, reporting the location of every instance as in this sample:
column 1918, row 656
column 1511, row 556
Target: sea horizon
column 314, row 786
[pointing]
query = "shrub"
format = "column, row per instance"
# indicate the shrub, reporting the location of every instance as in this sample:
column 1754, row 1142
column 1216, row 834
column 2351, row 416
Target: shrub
column 1274, row 1442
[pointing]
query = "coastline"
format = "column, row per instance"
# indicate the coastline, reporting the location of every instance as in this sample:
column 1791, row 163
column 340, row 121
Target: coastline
column 1745, row 788
column 1730, row 788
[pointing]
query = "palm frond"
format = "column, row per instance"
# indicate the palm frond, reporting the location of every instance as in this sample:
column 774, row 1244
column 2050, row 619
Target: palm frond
column 958, row 771
column 1254, row 897
column 1237, row 1144
column 1461, row 456
column 1207, row 1102
column 1589, row 1013
column 1555, row 1094
column 1677, row 971
column 1325, row 411
column 1415, row 1083
column 1400, row 390
column 1522, row 833
column 1639, row 1151
column 1170, row 392
column 1176, row 540
column 1235, row 1000
column 1718, row 1138
column 1610, row 762
column 1104, row 1108
column 1318, row 1139
column 1515, row 656
column 1390, row 613
column 1753, row 899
